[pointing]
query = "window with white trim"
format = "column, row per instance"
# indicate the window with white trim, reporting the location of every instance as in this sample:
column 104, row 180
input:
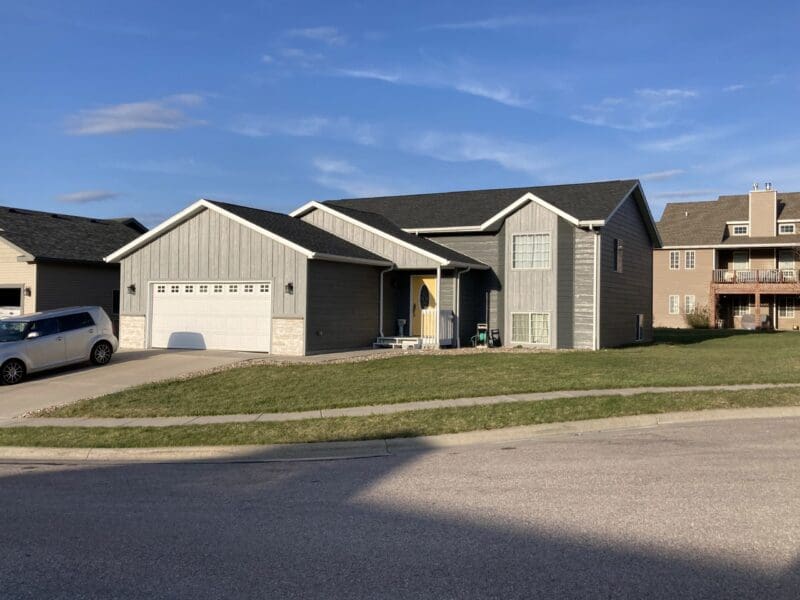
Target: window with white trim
column 784, row 228
column 674, row 260
column 689, row 303
column 786, row 306
column 530, row 328
column 674, row 304
column 741, row 306
column 638, row 335
column 740, row 229
column 689, row 261
column 530, row 251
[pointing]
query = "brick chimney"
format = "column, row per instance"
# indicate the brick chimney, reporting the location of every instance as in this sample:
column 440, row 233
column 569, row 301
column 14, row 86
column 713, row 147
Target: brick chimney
column 763, row 211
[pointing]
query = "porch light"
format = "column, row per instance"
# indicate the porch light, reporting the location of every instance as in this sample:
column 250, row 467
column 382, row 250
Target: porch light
column 289, row 289
column 132, row 288
column 28, row 291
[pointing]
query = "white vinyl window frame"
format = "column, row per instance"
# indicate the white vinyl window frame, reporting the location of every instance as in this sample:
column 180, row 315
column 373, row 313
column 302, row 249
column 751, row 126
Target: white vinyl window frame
column 786, row 307
column 740, row 229
column 531, row 251
column 674, row 305
column 690, row 260
column 786, row 228
column 737, row 264
column 674, row 260
column 741, row 306
column 530, row 328
column 689, row 303
column 617, row 256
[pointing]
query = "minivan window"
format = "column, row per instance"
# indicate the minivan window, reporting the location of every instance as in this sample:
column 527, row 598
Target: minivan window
column 13, row 331
column 44, row 327
column 76, row 321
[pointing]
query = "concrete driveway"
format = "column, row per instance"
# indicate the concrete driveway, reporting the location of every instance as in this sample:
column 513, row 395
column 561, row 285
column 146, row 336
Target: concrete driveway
column 128, row 368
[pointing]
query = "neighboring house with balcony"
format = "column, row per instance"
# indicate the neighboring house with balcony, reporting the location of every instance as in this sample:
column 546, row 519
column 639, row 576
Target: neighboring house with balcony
column 736, row 256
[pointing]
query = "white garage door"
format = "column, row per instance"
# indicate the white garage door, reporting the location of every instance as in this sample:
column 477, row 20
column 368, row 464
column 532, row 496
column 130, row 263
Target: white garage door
column 219, row 316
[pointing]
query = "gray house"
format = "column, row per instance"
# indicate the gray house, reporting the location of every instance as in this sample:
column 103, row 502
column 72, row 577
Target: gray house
column 552, row 267
column 51, row 260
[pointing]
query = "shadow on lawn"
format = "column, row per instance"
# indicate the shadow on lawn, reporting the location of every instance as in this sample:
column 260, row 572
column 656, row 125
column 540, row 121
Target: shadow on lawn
column 310, row 530
column 680, row 337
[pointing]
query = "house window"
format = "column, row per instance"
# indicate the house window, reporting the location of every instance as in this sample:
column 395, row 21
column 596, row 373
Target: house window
column 530, row 328
column 618, row 255
column 639, row 331
column 690, row 259
column 689, row 303
column 674, row 260
column 741, row 260
column 530, row 251
column 115, row 302
column 785, row 228
column 740, row 229
column 741, row 306
column 674, row 304
column 786, row 307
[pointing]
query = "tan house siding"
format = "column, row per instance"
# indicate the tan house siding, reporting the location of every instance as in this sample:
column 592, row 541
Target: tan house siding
column 681, row 282
column 763, row 215
column 13, row 272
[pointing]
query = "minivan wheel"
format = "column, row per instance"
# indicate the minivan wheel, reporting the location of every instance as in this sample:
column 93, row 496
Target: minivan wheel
column 101, row 353
column 12, row 371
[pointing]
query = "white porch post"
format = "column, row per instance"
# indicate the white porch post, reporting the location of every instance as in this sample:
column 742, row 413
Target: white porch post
column 438, row 304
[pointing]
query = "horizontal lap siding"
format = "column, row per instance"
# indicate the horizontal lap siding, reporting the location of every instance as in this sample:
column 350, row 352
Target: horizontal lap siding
column 625, row 294
column 62, row 285
column 401, row 256
column 13, row 272
column 212, row 247
column 583, row 273
column 342, row 306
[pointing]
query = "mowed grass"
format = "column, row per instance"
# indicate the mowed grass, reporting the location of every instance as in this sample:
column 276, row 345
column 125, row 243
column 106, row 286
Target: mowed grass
column 406, row 424
column 677, row 358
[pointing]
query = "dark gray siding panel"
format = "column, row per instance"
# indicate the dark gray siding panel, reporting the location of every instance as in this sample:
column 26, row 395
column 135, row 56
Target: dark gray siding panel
column 625, row 294
column 565, row 326
column 480, row 290
column 342, row 306
column 61, row 285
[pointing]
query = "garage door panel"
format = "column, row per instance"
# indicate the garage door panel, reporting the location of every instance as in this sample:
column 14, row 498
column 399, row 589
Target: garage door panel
column 200, row 315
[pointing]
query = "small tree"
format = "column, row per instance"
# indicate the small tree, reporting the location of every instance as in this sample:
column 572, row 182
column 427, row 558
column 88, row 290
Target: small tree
column 699, row 318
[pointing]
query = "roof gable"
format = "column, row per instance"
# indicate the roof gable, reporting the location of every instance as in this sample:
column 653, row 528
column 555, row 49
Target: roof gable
column 44, row 236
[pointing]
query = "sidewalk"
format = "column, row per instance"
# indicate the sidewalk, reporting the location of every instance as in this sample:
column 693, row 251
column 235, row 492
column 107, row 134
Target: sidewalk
column 361, row 411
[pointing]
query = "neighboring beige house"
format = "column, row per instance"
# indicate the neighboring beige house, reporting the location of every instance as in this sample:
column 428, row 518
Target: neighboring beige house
column 736, row 256
column 50, row 260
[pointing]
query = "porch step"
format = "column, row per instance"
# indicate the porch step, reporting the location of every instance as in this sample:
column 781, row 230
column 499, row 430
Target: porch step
column 404, row 343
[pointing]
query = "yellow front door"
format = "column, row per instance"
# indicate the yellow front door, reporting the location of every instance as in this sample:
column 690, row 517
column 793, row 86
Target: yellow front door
column 423, row 296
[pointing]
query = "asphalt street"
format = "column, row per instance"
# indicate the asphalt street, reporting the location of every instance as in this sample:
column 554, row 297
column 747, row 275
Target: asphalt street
column 706, row 510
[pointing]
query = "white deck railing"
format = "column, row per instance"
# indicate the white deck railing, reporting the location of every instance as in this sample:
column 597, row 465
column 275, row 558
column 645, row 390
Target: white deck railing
column 756, row 276
column 446, row 327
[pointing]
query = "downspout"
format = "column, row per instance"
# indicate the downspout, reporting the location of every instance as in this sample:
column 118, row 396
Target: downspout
column 596, row 298
column 458, row 305
column 380, row 308
column 438, row 314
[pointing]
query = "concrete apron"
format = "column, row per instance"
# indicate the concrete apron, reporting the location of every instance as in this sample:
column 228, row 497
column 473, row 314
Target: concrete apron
column 379, row 448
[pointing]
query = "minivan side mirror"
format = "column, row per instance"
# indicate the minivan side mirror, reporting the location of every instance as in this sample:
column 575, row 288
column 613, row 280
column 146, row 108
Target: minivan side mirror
column 32, row 335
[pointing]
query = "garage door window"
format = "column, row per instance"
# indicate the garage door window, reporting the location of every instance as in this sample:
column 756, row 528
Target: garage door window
column 217, row 289
column 175, row 289
column 203, row 289
column 248, row 289
column 160, row 289
column 233, row 289
column 264, row 288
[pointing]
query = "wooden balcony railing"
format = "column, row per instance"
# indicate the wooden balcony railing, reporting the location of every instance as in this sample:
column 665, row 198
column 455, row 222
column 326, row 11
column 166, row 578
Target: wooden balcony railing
column 754, row 276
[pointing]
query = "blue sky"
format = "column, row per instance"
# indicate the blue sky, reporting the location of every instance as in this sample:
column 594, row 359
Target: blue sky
column 140, row 108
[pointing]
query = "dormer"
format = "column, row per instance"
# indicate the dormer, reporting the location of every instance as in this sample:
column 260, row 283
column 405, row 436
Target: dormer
column 763, row 211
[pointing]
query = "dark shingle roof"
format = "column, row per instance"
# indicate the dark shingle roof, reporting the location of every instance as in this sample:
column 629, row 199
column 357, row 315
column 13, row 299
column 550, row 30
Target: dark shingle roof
column 385, row 225
column 52, row 236
column 299, row 232
column 584, row 201
column 703, row 223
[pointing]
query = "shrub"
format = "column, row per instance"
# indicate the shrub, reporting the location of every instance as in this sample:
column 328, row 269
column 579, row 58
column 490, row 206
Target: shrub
column 699, row 318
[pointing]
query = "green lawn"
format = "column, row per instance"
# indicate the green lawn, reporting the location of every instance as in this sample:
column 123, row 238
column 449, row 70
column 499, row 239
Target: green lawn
column 677, row 358
column 406, row 424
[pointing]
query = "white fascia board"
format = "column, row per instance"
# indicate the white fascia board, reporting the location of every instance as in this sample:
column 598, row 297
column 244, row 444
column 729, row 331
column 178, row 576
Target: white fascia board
column 724, row 246
column 523, row 200
column 186, row 214
column 788, row 220
column 594, row 223
column 305, row 209
column 347, row 259
column 378, row 232
column 24, row 255
column 737, row 222
column 464, row 229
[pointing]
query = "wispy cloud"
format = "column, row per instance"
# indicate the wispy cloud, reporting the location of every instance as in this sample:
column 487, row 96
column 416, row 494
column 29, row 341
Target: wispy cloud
column 87, row 196
column 666, row 94
column 467, row 147
column 647, row 108
column 165, row 113
column 341, row 175
column 313, row 126
column 736, row 87
column 495, row 23
column 662, row 175
column 326, row 35
column 370, row 74
column 684, row 140
column 686, row 195
column 176, row 166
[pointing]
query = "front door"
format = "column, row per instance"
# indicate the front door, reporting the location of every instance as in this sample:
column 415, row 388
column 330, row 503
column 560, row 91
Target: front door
column 423, row 296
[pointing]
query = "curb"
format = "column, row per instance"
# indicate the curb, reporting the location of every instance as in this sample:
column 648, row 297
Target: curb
column 381, row 448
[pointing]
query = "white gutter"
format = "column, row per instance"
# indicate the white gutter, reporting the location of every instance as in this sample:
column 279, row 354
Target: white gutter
column 380, row 307
column 458, row 305
column 596, row 295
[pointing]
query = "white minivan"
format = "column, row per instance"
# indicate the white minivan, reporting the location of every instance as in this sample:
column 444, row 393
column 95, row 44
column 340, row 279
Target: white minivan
column 54, row 338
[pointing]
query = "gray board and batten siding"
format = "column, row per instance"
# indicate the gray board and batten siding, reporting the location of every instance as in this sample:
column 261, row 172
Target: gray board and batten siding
column 211, row 247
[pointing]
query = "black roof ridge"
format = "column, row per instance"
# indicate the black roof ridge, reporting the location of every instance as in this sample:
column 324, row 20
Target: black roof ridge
column 480, row 190
column 234, row 204
column 51, row 213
